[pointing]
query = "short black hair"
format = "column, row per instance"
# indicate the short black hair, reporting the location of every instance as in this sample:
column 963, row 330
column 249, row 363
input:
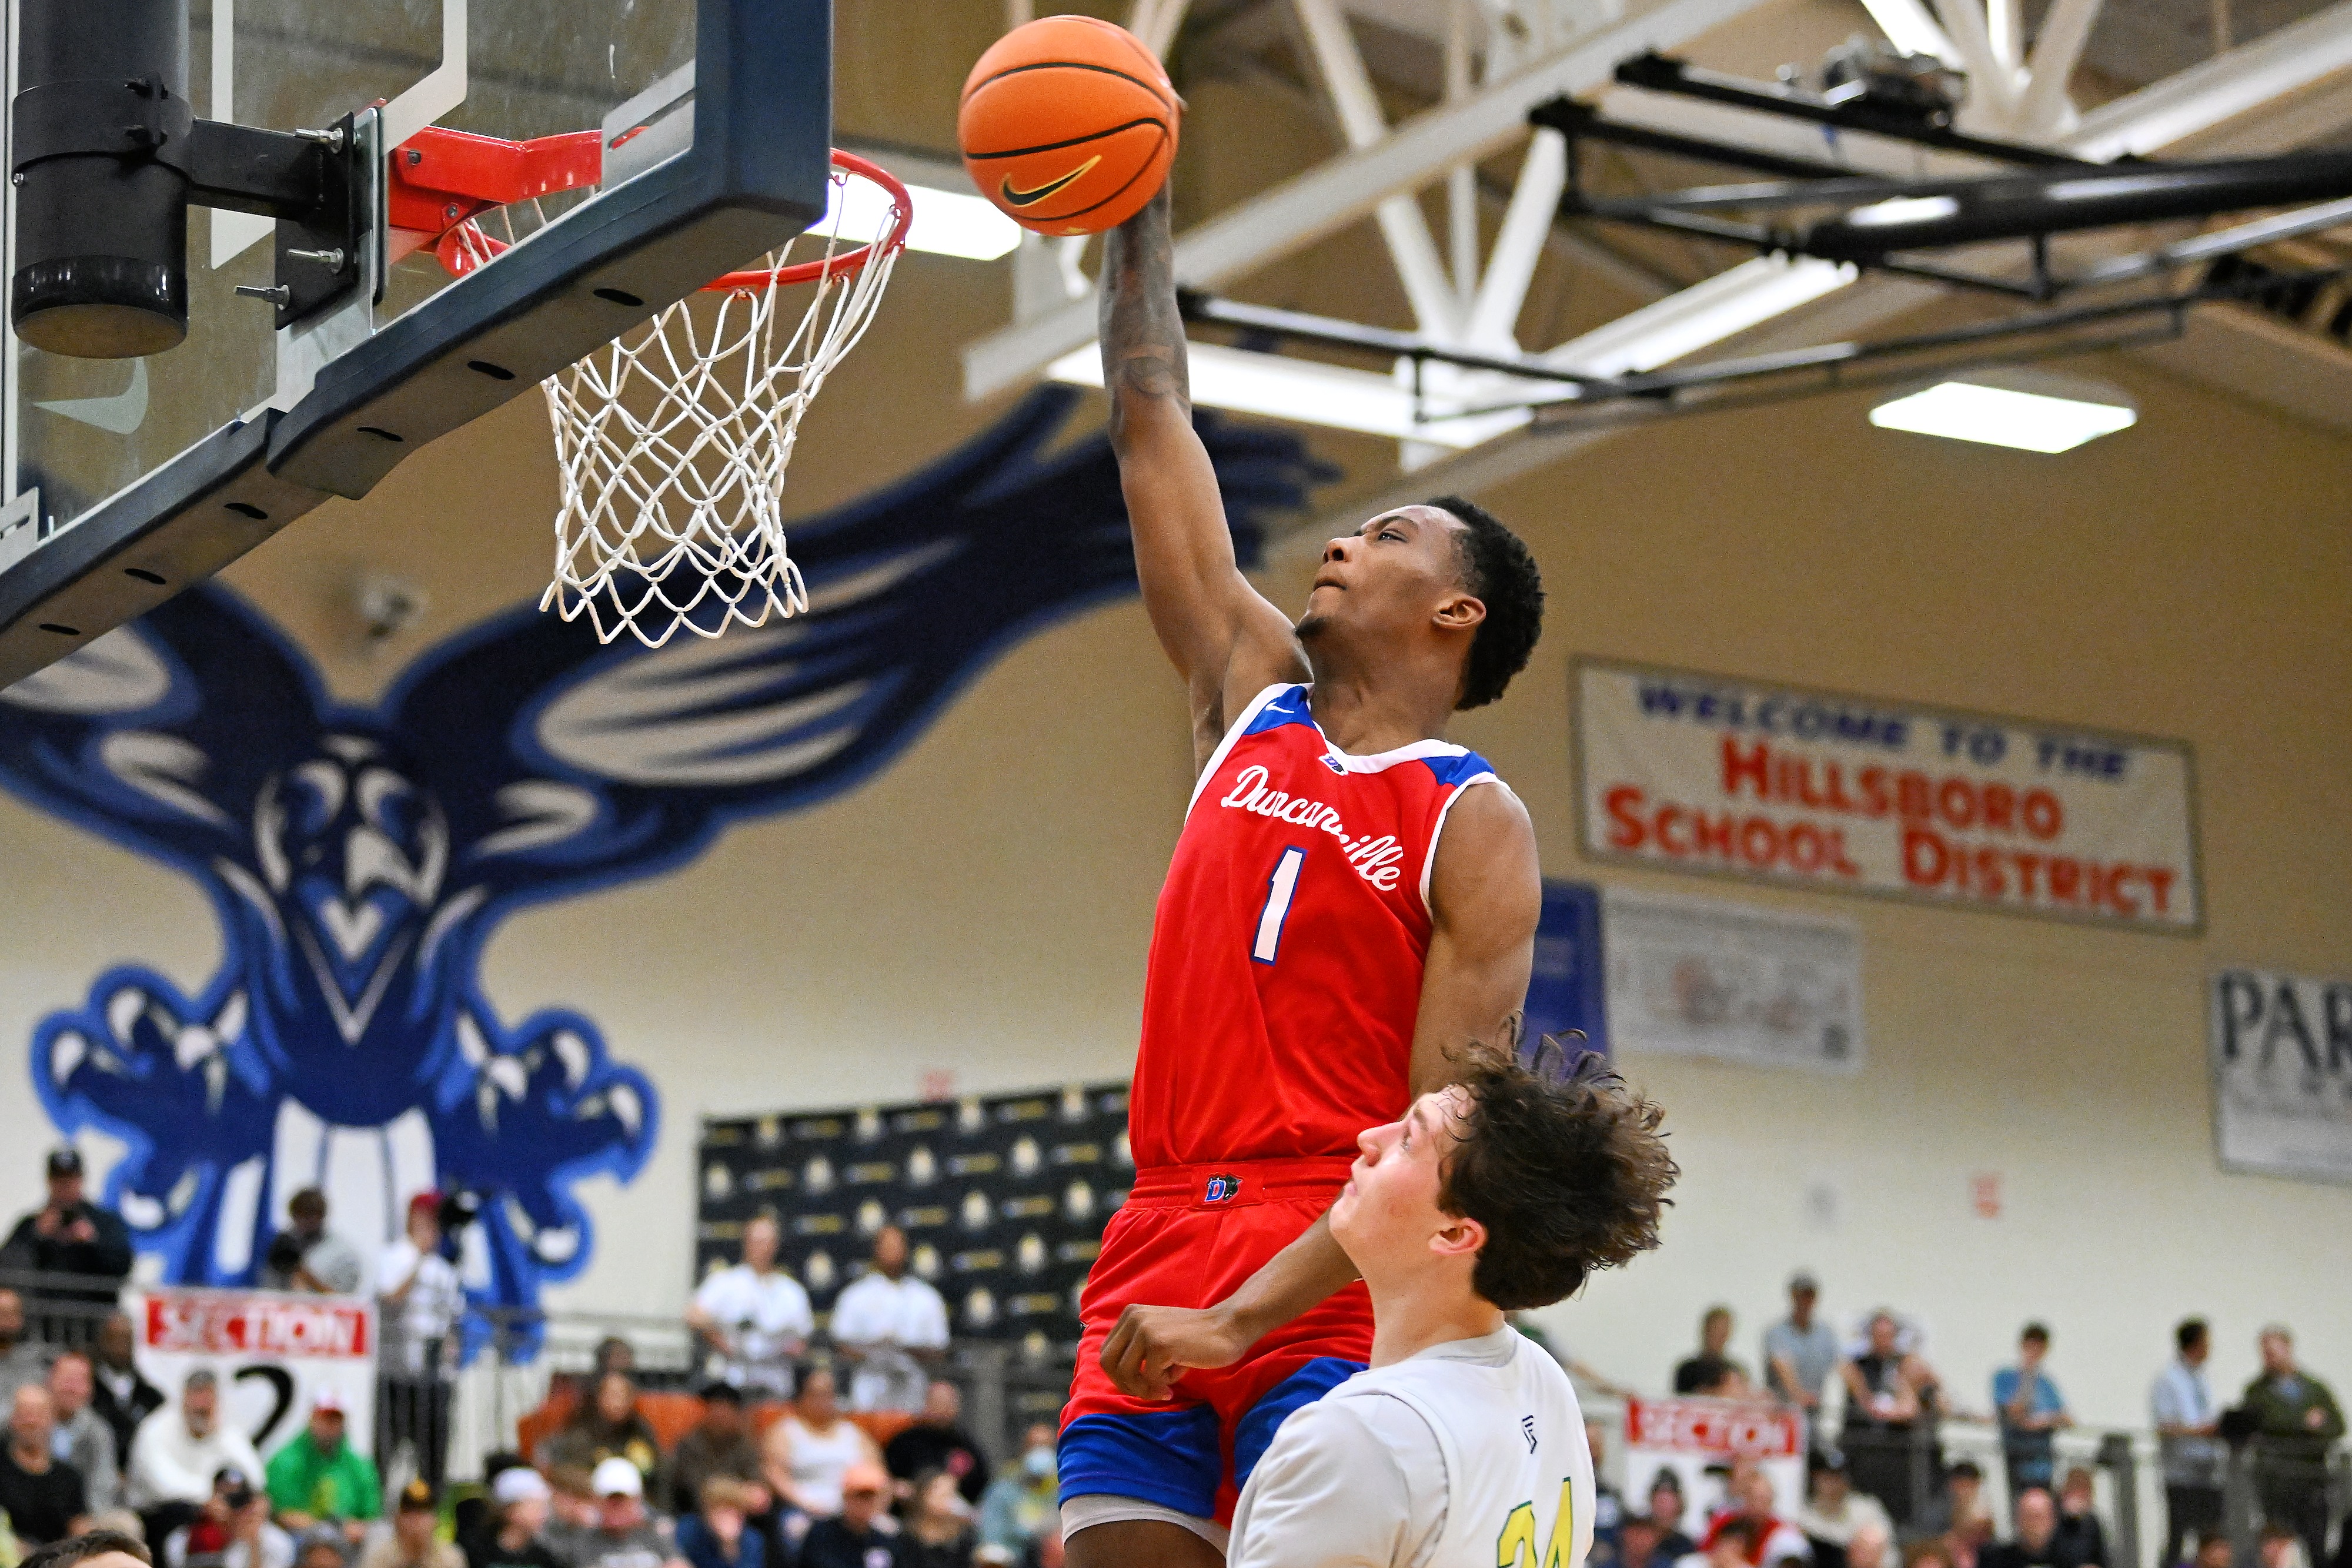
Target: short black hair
column 1497, row 567
column 1562, row 1163
column 2036, row 1331
column 81, row 1548
column 2190, row 1334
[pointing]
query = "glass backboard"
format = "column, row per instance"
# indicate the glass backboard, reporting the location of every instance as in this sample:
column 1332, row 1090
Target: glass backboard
column 715, row 118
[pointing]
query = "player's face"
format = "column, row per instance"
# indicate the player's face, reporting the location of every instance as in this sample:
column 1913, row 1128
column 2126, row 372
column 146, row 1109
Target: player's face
column 1394, row 573
column 1387, row 1217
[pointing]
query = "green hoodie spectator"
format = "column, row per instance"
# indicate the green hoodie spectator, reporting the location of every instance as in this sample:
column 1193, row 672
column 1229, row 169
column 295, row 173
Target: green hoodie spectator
column 318, row 1476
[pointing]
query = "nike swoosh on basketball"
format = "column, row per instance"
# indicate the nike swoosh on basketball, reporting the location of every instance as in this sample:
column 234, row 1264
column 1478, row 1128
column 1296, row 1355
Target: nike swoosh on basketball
column 1030, row 198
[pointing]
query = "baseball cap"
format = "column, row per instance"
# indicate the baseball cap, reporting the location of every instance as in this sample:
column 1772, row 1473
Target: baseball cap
column 418, row 1496
column 616, row 1477
column 428, row 1200
column 327, row 1399
column 64, row 1162
column 521, row 1483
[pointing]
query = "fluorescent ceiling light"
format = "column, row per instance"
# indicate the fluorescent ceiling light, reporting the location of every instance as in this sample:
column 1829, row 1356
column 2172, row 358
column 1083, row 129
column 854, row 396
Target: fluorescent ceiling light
column 947, row 223
column 2032, row 422
column 1306, row 391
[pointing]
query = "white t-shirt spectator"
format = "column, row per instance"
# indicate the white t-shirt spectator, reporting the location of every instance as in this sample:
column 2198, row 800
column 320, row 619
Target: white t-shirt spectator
column 428, row 1313
column 168, row 1465
column 817, row 1460
column 765, row 1316
column 904, row 1313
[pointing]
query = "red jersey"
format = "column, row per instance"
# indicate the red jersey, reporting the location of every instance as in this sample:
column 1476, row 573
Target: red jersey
column 1287, row 949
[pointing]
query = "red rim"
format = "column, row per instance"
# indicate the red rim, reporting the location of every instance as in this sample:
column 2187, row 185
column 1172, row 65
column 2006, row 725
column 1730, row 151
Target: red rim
column 461, row 248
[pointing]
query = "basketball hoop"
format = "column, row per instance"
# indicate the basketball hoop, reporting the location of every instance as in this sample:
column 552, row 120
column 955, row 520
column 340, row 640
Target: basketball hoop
column 672, row 439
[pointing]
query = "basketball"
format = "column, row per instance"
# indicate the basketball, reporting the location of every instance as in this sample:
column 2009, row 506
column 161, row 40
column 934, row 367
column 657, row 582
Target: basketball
column 1068, row 125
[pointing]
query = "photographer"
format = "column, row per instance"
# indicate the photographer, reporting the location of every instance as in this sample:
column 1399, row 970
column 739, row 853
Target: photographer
column 421, row 1305
column 306, row 1256
column 69, row 1235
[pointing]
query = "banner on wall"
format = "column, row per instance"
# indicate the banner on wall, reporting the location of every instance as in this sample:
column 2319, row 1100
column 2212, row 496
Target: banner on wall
column 1703, row 977
column 273, row 1353
column 2283, row 1074
column 1698, row 1439
column 1566, row 989
column 1693, row 772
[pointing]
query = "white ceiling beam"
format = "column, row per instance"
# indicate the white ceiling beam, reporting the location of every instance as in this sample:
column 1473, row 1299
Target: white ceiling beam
column 2057, row 50
column 1910, row 28
column 1518, row 245
column 2219, row 89
column 1304, row 209
column 1992, row 86
column 1435, row 305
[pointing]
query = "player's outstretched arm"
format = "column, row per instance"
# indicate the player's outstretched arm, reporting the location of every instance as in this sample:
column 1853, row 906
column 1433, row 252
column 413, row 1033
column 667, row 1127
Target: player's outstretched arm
column 1224, row 638
column 1150, row 1347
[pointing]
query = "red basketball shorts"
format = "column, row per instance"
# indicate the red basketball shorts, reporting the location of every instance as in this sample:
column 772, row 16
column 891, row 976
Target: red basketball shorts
column 1188, row 1236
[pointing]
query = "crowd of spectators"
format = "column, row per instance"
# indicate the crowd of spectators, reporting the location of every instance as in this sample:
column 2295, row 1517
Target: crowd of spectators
column 1879, row 1488
column 846, row 1449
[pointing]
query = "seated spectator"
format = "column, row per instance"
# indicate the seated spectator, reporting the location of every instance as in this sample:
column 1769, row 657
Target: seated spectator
column 754, row 1317
column 1772, row 1541
column 411, row 1541
column 511, row 1533
column 319, row 1548
column 1698, row 1374
column 96, row 1549
column 1930, row 1551
column 231, row 1529
column 1025, row 1502
column 1871, row 1546
column 2080, row 1534
column 179, row 1454
column 1666, row 1505
column 319, row 1478
column 720, row 1533
column 624, row 1534
column 718, row 1446
column 122, row 1395
column 608, row 1427
column 1964, row 1503
column 2213, row 1550
column 813, row 1445
column 936, row 1441
column 22, row 1363
column 936, row 1524
column 613, row 1354
column 2030, row 1409
column 306, row 1256
column 2036, row 1544
column 2275, row 1547
column 1834, row 1511
column 891, row 1325
column 42, row 1494
column 83, row 1439
column 1733, row 1542
column 860, row 1534
column 1637, row 1542
column 1965, row 1540
column 70, row 1235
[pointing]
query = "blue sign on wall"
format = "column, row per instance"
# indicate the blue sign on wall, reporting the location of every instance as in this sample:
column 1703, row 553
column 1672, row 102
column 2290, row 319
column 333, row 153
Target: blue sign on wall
column 1566, row 991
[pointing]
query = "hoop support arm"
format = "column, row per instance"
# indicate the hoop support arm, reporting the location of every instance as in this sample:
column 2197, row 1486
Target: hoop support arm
column 439, row 179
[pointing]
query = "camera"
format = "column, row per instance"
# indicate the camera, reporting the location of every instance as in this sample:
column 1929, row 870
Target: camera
column 285, row 1254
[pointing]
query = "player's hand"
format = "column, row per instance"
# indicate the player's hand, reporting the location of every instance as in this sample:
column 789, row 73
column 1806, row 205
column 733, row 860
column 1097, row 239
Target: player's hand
column 1153, row 1346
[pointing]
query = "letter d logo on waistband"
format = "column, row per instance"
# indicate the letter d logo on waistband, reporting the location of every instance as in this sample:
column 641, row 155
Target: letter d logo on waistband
column 1221, row 1189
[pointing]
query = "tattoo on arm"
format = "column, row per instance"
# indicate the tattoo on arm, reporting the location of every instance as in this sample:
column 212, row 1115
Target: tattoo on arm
column 1142, row 330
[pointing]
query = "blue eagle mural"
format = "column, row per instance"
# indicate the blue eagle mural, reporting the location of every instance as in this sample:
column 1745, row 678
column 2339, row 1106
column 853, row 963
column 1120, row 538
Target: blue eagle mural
column 360, row 857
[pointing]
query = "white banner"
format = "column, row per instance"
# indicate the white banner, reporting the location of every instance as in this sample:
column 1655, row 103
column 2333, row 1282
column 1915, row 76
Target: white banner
column 1689, row 1436
column 2283, row 1074
column 272, row 1352
column 1699, row 978
column 1691, row 772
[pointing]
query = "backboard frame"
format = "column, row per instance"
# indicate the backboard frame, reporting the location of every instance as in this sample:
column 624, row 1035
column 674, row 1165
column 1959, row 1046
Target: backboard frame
column 755, row 173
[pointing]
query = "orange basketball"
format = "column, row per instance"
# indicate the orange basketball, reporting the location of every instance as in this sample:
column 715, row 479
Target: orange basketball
column 1068, row 125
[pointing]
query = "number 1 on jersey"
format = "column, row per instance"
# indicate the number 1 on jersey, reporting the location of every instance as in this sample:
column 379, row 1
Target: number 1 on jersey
column 1279, row 890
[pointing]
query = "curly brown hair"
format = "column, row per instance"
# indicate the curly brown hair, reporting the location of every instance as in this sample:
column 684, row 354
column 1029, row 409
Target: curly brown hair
column 1562, row 1163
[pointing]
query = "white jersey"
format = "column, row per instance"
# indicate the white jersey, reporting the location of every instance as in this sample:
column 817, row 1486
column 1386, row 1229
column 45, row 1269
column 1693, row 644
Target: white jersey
column 1468, row 1455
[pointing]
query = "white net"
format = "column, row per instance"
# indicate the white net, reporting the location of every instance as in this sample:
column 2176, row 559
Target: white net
column 672, row 441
